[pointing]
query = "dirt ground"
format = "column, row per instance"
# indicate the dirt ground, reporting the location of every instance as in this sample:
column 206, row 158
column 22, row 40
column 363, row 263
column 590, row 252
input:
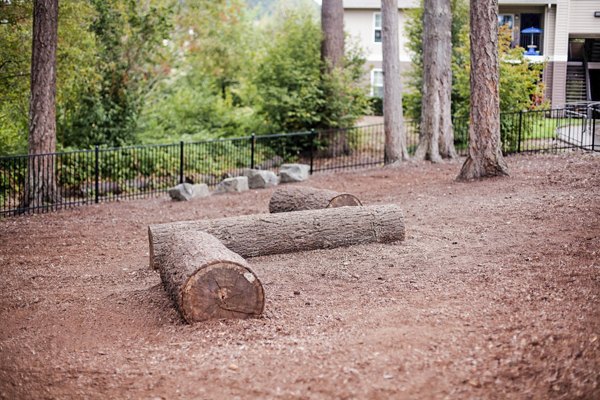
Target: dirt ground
column 494, row 294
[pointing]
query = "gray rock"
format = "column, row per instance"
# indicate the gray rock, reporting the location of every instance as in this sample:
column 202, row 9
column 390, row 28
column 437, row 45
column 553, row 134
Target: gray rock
column 259, row 179
column 187, row 191
column 294, row 172
column 231, row 185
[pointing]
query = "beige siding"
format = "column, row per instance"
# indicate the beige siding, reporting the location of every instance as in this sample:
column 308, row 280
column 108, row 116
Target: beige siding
column 549, row 33
column 559, row 83
column 360, row 24
column 581, row 18
column 548, row 80
column 561, row 49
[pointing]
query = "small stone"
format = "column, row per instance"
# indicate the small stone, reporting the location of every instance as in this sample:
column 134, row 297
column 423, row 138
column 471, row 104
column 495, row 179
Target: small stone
column 231, row 185
column 296, row 292
column 187, row 191
column 260, row 179
column 233, row 367
column 294, row 172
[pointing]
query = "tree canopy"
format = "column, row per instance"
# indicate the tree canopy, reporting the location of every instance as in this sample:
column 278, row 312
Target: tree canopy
column 167, row 70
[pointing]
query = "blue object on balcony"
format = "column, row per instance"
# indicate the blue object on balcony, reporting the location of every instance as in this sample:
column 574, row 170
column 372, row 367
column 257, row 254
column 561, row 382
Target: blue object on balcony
column 532, row 31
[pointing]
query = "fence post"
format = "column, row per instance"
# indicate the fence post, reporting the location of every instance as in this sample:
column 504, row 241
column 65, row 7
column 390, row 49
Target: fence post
column 181, row 161
column 96, row 174
column 594, row 129
column 252, row 149
column 520, row 128
column 312, row 136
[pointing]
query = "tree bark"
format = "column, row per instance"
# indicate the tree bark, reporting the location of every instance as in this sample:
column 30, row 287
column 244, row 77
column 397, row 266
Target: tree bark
column 436, row 139
column 298, row 198
column 485, row 152
column 40, row 187
column 204, row 279
column 393, row 122
column 332, row 26
column 264, row 234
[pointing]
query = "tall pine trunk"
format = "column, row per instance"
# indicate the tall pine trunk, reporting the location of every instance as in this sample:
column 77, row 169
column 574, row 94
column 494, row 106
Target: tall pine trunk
column 332, row 54
column 485, row 150
column 436, row 139
column 40, row 187
column 393, row 121
column 332, row 26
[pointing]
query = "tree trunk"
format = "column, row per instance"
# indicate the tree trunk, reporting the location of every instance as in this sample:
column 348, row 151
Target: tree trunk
column 40, row 186
column 393, row 124
column 264, row 234
column 485, row 152
column 298, row 198
column 332, row 26
column 436, row 139
column 205, row 279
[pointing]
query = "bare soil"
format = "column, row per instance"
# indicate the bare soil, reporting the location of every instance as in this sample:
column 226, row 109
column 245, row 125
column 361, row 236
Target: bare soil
column 494, row 294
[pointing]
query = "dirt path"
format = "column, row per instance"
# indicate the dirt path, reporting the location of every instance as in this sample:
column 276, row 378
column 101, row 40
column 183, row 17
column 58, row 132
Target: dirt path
column 494, row 294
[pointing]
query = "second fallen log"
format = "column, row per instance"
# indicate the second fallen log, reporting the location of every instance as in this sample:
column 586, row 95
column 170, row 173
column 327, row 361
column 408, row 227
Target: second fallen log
column 298, row 198
column 264, row 234
column 205, row 279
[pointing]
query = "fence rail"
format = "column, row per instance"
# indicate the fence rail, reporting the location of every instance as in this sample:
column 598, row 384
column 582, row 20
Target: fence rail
column 45, row 182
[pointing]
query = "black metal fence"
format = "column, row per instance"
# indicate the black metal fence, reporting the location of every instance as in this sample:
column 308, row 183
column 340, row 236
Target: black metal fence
column 45, row 182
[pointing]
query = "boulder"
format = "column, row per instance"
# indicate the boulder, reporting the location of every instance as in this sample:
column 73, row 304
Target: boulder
column 294, row 172
column 259, row 179
column 187, row 191
column 230, row 185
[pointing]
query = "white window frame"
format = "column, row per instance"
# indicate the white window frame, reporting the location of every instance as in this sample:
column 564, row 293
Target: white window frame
column 373, row 72
column 377, row 28
column 512, row 18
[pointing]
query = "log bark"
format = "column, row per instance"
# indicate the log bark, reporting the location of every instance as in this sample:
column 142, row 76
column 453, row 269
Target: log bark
column 205, row 279
column 298, row 198
column 264, row 234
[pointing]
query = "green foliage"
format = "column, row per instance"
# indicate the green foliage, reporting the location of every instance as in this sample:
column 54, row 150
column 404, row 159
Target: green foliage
column 207, row 93
column 160, row 71
column 294, row 93
column 129, row 37
column 15, row 59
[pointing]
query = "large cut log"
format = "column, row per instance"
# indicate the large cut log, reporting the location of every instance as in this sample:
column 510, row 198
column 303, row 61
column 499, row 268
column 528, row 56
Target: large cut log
column 204, row 278
column 298, row 198
column 263, row 234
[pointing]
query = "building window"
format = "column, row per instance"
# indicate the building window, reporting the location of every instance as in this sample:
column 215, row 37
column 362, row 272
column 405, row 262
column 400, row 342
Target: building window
column 505, row 19
column 377, row 27
column 377, row 83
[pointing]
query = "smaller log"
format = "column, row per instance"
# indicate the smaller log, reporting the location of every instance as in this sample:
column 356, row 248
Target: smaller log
column 298, row 198
column 206, row 280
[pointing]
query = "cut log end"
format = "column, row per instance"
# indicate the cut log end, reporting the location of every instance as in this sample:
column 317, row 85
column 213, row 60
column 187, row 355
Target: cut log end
column 222, row 290
column 344, row 200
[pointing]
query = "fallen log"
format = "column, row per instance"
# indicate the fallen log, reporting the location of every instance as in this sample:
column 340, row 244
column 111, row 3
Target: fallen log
column 204, row 279
column 264, row 234
column 298, row 198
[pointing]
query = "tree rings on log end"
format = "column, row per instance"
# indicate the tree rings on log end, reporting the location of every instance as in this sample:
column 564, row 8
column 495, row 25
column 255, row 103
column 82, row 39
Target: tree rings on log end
column 222, row 290
column 344, row 200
